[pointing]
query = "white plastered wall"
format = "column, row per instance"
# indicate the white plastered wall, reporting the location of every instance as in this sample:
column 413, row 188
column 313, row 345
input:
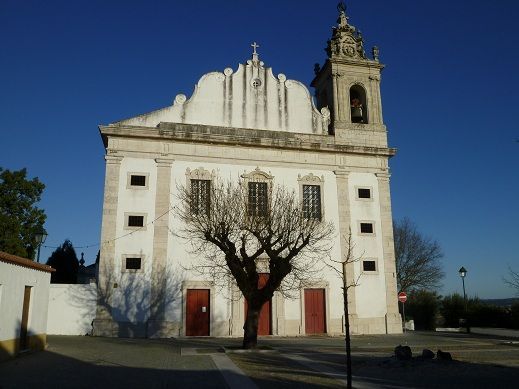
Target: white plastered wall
column 179, row 251
column 371, row 293
column 131, row 296
column 72, row 307
column 13, row 279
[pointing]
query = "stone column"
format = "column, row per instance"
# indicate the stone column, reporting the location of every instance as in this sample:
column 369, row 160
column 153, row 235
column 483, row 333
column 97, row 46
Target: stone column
column 343, row 198
column 157, row 327
column 343, row 96
column 393, row 319
column 104, row 324
column 279, row 306
column 375, row 102
column 335, row 91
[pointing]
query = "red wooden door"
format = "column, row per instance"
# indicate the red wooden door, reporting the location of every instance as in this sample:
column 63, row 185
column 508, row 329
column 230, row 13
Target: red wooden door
column 315, row 311
column 197, row 312
column 266, row 312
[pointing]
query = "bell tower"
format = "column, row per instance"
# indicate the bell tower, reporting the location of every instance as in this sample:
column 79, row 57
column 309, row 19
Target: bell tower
column 349, row 85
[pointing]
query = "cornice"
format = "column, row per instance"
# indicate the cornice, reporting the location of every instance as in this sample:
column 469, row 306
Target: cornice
column 243, row 137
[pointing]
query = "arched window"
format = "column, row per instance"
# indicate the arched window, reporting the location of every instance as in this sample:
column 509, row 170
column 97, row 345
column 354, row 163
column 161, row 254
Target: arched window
column 358, row 104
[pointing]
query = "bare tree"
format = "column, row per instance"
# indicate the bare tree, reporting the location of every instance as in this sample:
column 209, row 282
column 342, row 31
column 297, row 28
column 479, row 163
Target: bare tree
column 230, row 233
column 417, row 258
column 513, row 279
column 345, row 271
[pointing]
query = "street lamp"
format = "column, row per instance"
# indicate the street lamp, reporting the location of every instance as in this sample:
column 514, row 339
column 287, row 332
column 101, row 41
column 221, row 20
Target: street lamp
column 463, row 273
column 40, row 237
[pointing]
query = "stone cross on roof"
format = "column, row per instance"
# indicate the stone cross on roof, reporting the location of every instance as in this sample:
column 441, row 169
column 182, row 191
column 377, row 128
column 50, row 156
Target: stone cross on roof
column 255, row 56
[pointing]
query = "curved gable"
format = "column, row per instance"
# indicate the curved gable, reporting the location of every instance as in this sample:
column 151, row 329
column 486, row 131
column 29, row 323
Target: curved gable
column 250, row 97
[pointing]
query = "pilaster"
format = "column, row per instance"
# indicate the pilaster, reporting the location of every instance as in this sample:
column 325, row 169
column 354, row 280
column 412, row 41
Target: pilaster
column 393, row 319
column 335, row 86
column 159, row 274
column 103, row 323
column 343, row 199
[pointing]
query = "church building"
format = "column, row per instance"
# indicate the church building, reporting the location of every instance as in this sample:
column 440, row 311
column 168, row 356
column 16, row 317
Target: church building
column 249, row 123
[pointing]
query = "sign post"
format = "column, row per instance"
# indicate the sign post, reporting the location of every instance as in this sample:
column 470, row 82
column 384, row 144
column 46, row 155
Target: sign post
column 402, row 297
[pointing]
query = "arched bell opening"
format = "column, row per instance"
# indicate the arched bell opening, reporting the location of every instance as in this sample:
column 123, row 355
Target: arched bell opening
column 358, row 104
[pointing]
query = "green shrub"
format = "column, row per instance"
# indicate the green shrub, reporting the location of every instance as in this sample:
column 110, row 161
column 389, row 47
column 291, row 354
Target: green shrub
column 515, row 315
column 452, row 309
column 477, row 313
column 422, row 306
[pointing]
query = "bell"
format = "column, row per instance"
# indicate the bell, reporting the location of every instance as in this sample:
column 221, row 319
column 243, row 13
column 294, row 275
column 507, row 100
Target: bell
column 356, row 114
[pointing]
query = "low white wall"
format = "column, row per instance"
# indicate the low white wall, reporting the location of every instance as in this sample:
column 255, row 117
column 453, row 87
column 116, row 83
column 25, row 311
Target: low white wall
column 505, row 332
column 72, row 307
column 13, row 280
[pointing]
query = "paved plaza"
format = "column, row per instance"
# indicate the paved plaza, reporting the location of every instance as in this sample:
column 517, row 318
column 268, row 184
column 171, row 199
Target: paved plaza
column 309, row 362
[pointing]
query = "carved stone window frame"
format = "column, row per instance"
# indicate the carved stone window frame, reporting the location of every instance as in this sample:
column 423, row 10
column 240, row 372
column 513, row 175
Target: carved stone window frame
column 199, row 173
column 137, row 187
column 132, row 271
column 258, row 175
column 372, row 222
column 363, row 187
column 369, row 272
column 144, row 221
column 311, row 179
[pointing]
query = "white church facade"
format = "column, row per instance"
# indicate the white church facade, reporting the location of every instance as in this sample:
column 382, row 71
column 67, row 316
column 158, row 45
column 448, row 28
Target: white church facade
column 251, row 123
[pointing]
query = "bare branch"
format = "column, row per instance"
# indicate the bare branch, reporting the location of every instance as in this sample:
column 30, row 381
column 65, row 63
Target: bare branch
column 230, row 242
column 513, row 279
column 417, row 258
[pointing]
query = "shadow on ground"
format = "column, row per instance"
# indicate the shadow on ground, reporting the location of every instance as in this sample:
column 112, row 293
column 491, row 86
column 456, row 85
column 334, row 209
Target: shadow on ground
column 86, row 362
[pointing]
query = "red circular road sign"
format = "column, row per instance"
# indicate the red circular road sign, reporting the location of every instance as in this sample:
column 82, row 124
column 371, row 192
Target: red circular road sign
column 402, row 297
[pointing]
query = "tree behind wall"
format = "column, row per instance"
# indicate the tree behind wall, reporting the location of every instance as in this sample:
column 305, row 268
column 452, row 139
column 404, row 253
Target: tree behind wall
column 20, row 219
column 64, row 260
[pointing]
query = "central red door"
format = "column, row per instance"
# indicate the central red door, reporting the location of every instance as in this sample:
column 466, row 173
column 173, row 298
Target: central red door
column 314, row 311
column 265, row 313
column 197, row 312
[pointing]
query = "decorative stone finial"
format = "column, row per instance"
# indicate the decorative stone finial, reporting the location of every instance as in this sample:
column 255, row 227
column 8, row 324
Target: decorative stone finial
column 81, row 261
column 345, row 41
column 375, row 51
column 255, row 55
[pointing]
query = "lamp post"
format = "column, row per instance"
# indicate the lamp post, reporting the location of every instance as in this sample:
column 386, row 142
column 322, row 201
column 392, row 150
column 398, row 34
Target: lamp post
column 463, row 273
column 40, row 237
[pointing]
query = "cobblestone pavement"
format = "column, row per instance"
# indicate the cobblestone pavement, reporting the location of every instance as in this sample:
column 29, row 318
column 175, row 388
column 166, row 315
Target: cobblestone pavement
column 87, row 362
column 306, row 362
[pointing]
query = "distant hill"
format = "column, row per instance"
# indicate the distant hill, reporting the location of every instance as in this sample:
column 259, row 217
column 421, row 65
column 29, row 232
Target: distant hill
column 501, row 302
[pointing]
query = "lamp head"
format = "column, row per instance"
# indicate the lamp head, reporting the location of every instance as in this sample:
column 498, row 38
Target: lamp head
column 463, row 272
column 40, row 236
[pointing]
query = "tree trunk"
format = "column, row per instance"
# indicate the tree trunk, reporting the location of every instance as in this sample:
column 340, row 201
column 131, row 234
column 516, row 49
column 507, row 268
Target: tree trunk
column 348, row 339
column 250, row 328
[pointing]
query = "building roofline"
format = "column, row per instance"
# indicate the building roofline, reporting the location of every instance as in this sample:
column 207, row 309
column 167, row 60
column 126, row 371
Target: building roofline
column 208, row 134
column 24, row 262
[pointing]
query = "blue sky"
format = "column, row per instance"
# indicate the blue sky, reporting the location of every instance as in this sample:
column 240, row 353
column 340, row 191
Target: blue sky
column 450, row 100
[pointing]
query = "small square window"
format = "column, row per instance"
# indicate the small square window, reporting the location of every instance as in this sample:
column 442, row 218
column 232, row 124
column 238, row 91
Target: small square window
column 133, row 263
column 366, row 228
column 369, row 265
column 364, row 193
column 135, row 221
column 137, row 180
